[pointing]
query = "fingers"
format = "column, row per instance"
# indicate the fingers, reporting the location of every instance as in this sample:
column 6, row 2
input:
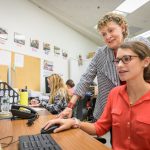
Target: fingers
column 52, row 122
column 70, row 115
column 66, row 113
column 48, row 124
column 61, row 128
column 64, row 124
column 61, row 115
column 58, row 116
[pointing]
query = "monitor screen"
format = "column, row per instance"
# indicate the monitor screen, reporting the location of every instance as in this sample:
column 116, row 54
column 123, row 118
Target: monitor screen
column 47, row 89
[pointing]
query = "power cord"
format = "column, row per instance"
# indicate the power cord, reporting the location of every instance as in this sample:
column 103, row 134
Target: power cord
column 9, row 143
column 31, row 120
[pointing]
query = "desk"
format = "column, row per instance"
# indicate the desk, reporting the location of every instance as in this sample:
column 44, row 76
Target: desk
column 74, row 139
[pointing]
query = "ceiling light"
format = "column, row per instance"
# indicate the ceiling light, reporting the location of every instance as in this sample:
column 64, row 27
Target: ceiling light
column 145, row 34
column 120, row 12
column 128, row 6
column 95, row 27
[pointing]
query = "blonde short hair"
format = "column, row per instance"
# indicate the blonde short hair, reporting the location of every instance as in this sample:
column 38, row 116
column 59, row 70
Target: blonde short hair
column 114, row 17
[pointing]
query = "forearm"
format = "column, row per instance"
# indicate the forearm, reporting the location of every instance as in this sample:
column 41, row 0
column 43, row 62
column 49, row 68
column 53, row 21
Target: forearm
column 88, row 128
column 68, row 110
column 74, row 99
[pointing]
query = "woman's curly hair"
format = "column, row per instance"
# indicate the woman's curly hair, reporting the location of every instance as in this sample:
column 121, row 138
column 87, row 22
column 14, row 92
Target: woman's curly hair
column 115, row 17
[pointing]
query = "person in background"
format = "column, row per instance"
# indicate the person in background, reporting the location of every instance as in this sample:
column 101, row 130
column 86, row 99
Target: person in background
column 114, row 30
column 58, row 95
column 70, row 87
column 128, row 106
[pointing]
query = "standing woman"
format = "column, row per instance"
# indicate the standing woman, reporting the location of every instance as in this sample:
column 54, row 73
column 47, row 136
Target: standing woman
column 58, row 95
column 114, row 29
column 128, row 106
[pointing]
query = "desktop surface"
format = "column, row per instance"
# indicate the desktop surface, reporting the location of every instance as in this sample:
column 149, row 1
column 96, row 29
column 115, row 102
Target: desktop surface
column 74, row 139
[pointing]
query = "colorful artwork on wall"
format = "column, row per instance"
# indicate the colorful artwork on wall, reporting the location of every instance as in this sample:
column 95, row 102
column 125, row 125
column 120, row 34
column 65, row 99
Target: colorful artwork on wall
column 34, row 43
column 46, row 48
column 19, row 38
column 3, row 34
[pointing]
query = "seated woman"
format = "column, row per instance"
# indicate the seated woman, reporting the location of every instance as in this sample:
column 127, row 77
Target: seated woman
column 58, row 95
column 128, row 106
column 70, row 87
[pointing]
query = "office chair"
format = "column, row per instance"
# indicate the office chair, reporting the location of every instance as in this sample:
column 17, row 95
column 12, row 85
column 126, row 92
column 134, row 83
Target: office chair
column 81, row 110
column 84, row 111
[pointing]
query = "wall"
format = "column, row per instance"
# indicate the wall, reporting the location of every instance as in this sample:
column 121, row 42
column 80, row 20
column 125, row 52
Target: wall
column 23, row 17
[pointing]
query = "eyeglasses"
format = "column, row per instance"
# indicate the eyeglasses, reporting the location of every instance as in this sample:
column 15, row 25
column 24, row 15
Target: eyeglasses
column 125, row 59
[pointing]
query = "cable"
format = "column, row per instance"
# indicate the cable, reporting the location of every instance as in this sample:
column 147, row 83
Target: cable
column 9, row 143
column 31, row 120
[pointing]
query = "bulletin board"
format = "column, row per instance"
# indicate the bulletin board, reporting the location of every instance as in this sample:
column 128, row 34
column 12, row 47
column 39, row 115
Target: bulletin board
column 3, row 73
column 4, row 64
column 28, row 75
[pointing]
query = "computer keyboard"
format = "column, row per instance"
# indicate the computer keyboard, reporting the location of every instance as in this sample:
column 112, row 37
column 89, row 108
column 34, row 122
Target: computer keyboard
column 38, row 142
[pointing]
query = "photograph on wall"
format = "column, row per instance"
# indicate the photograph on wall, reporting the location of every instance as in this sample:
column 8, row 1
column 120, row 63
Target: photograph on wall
column 48, row 65
column 19, row 38
column 46, row 48
column 64, row 54
column 90, row 55
column 3, row 34
column 56, row 50
column 34, row 43
column 80, row 60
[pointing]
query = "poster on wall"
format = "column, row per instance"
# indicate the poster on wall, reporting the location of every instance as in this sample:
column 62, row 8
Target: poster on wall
column 48, row 65
column 34, row 43
column 56, row 50
column 19, row 38
column 3, row 34
column 46, row 48
column 64, row 54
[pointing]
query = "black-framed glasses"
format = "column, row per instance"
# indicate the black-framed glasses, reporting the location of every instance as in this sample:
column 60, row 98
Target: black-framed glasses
column 125, row 59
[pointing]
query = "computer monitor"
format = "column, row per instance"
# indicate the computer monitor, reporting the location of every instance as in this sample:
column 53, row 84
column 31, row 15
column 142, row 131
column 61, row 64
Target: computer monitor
column 47, row 89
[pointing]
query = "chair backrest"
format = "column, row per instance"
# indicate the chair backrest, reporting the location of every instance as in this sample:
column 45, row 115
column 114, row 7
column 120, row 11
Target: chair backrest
column 81, row 109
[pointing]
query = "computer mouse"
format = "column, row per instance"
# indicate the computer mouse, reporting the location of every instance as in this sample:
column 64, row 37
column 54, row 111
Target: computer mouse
column 50, row 129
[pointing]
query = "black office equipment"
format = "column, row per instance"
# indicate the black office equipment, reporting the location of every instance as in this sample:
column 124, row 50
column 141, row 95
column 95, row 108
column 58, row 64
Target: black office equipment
column 38, row 142
column 49, row 130
column 82, row 108
column 24, row 112
column 13, row 95
column 47, row 89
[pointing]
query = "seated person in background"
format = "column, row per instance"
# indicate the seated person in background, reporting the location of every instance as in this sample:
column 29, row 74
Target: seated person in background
column 58, row 95
column 70, row 87
column 128, row 106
